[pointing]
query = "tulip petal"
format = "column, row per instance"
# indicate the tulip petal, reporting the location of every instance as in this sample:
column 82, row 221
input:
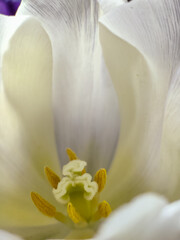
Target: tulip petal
column 147, row 217
column 141, row 48
column 26, row 129
column 85, row 105
column 8, row 236
column 133, row 220
column 41, row 232
column 167, row 224
column 107, row 5
column 171, row 138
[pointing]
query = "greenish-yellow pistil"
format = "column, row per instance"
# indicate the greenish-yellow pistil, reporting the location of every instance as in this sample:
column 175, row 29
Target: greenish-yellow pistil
column 77, row 191
column 75, row 182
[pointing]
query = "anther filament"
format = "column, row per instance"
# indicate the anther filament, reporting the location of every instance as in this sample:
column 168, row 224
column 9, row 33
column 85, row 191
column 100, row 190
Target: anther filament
column 76, row 191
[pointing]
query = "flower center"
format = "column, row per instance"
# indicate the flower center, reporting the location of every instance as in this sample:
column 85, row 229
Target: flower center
column 77, row 192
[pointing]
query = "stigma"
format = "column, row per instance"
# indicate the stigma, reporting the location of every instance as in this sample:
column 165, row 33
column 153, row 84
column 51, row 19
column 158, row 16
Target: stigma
column 77, row 191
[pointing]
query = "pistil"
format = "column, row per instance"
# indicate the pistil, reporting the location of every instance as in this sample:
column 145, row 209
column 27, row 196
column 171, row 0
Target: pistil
column 77, row 192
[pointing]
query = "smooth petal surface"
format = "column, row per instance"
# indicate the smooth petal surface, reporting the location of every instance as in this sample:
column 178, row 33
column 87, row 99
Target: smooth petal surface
column 141, row 49
column 170, row 148
column 147, row 217
column 8, row 236
column 41, row 232
column 167, row 224
column 108, row 5
column 26, row 129
column 85, row 106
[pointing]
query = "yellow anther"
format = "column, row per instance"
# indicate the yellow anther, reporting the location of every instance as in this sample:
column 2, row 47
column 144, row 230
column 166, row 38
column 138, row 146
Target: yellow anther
column 100, row 178
column 83, row 171
column 71, row 154
column 44, row 207
column 73, row 214
column 104, row 209
column 77, row 191
column 52, row 177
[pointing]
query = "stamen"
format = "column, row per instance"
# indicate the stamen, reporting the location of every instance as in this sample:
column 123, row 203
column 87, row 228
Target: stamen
column 73, row 214
column 44, row 207
column 83, row 171
column 104, row 209
column 77, row 191
column 60, row 217
column 52, row 177
column 100, row 178
column 71, row 154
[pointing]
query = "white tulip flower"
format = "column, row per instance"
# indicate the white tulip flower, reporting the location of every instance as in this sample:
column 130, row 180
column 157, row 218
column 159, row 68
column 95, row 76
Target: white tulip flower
column 66, row 169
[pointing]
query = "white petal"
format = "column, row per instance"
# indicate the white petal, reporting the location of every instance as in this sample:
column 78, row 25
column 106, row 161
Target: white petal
column 132, row 220
column 145, row 218
column 84, row 101
column 26, row 129
column 107, row 5
column 41, row 232
column 8, row 236
column 143, row 59
column 167, row 224
column 171, row 139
